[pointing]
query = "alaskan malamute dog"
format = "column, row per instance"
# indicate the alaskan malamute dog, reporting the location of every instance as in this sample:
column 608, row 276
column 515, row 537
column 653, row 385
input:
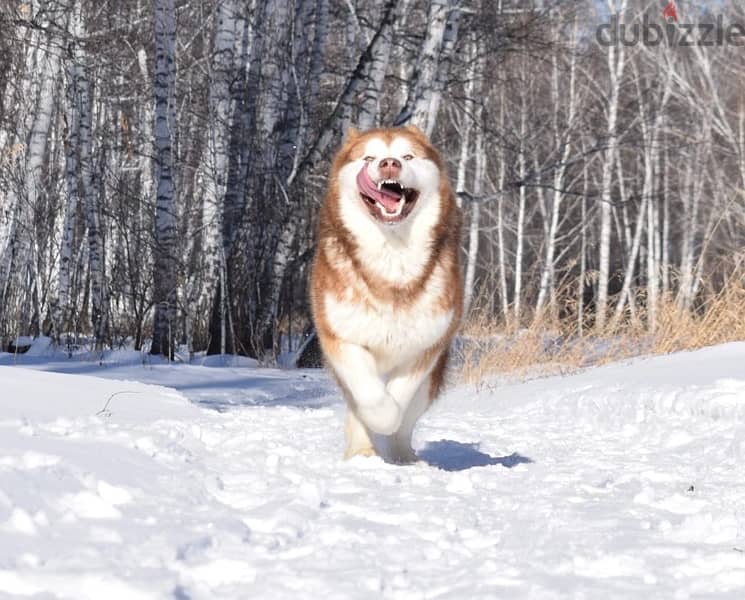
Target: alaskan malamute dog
column 386, row 287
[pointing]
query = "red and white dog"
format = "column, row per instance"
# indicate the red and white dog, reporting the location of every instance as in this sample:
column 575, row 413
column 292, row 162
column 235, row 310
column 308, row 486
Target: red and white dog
column 386, row 287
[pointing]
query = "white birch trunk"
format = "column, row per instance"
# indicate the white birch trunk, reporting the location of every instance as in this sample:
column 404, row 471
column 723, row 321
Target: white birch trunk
column 463, row 158
column 18, row 255
column 561, row 141
column 504, row 294
column 651, row 135
column 652, row 255
column 425, row 93
column 584, row 225
column 165, row 267
column 616, row 63
column 692, row 204
column 520, row 239
column 96, row 251
column 223, row 71
column 332, row 128
column 72, row 166
column 686, row 239
column 146, row 155
column 665, row 188
column 21, row 101
column 473, row 228
column 377, row 67
column 449, row 39
column 633, row 255
column 281, row 101
column 313, row 82
column 274, row 71
column 474, row 107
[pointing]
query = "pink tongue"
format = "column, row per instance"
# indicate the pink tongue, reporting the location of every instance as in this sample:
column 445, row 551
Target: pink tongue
column 388, row 198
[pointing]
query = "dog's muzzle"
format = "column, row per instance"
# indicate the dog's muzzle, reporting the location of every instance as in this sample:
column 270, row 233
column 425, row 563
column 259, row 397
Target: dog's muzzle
column 388, row 200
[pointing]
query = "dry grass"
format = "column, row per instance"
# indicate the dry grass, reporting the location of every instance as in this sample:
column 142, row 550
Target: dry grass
column 720, row 319
column 551, row 345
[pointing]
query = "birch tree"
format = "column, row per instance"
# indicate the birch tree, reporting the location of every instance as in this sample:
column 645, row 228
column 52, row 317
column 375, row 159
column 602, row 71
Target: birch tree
column 165, row 267
column 473, row 120
column 562, row 129
column 16, row 259
column 616, row 63
column 223, row 72
column 425, row 92
column 375, row 75
column 96, row 248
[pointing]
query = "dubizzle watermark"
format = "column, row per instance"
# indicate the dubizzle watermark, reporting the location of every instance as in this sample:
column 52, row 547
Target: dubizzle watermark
column 670, row 30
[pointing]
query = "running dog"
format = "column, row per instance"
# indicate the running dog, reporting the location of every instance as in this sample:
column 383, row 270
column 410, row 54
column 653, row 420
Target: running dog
column 386, row 285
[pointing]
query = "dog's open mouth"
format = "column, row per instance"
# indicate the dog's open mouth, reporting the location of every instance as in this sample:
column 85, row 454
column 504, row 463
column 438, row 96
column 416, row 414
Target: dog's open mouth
column 388, row 200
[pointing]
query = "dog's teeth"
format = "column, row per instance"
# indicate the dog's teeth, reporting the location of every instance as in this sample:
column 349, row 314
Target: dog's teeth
column 380, row 185
column 386, row 213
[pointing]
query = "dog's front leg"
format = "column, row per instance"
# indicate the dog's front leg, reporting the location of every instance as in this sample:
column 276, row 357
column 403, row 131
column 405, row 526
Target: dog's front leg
column 411, row 389
column 358, row 373
column 406, row 381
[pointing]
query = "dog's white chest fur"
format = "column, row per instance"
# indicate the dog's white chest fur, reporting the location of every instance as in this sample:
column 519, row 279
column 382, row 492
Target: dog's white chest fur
column 395, row 334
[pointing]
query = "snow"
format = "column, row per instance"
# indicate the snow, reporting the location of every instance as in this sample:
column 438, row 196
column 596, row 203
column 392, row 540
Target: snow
column 135, row 479
column 40, row 346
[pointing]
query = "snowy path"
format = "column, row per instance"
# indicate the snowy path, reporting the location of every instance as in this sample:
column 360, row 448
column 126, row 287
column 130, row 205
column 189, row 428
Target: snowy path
column 626, row 481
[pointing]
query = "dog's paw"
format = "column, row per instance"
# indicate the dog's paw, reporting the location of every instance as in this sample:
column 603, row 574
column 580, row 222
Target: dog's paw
column 404, row 456
column 367, row 451
column 382, row 416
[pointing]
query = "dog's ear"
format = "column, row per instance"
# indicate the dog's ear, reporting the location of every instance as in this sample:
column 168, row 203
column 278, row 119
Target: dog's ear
column 352, row 133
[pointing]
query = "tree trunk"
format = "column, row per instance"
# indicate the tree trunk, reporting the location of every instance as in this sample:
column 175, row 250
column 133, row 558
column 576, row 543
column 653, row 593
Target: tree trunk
column 501, row 252
column 474, row 104
column 616, row 64
column 425, row 91
column 18, row 257
column 331, row 130
column 563, row 144
column 222, row 75
column 376, row 69
column 520, row 227
column 96, row 251
column 165, row 266
column 62, row 316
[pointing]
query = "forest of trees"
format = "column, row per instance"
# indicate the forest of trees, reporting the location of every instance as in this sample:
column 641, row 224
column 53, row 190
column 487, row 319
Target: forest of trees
column 162, row 162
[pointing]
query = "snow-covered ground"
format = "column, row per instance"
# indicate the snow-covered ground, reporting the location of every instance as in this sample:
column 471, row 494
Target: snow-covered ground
column 130, row 481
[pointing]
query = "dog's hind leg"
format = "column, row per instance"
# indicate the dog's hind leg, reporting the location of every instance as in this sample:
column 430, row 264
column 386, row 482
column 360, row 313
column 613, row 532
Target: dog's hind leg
column 358, row 437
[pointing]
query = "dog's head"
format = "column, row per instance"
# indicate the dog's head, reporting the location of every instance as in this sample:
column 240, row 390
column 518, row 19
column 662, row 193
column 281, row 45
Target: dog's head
column 387, row 175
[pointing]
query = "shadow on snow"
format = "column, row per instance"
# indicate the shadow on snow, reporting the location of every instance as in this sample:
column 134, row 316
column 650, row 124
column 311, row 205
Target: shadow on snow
column 450, row 455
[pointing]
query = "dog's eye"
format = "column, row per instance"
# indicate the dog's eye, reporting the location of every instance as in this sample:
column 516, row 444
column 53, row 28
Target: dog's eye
column 369, row 158
column 408, row 156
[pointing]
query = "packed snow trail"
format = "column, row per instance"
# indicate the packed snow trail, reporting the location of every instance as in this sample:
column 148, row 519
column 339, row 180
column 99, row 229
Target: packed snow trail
column 626, row 481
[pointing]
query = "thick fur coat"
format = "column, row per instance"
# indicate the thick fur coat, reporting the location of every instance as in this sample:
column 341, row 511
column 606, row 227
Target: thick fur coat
column 386, row 286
